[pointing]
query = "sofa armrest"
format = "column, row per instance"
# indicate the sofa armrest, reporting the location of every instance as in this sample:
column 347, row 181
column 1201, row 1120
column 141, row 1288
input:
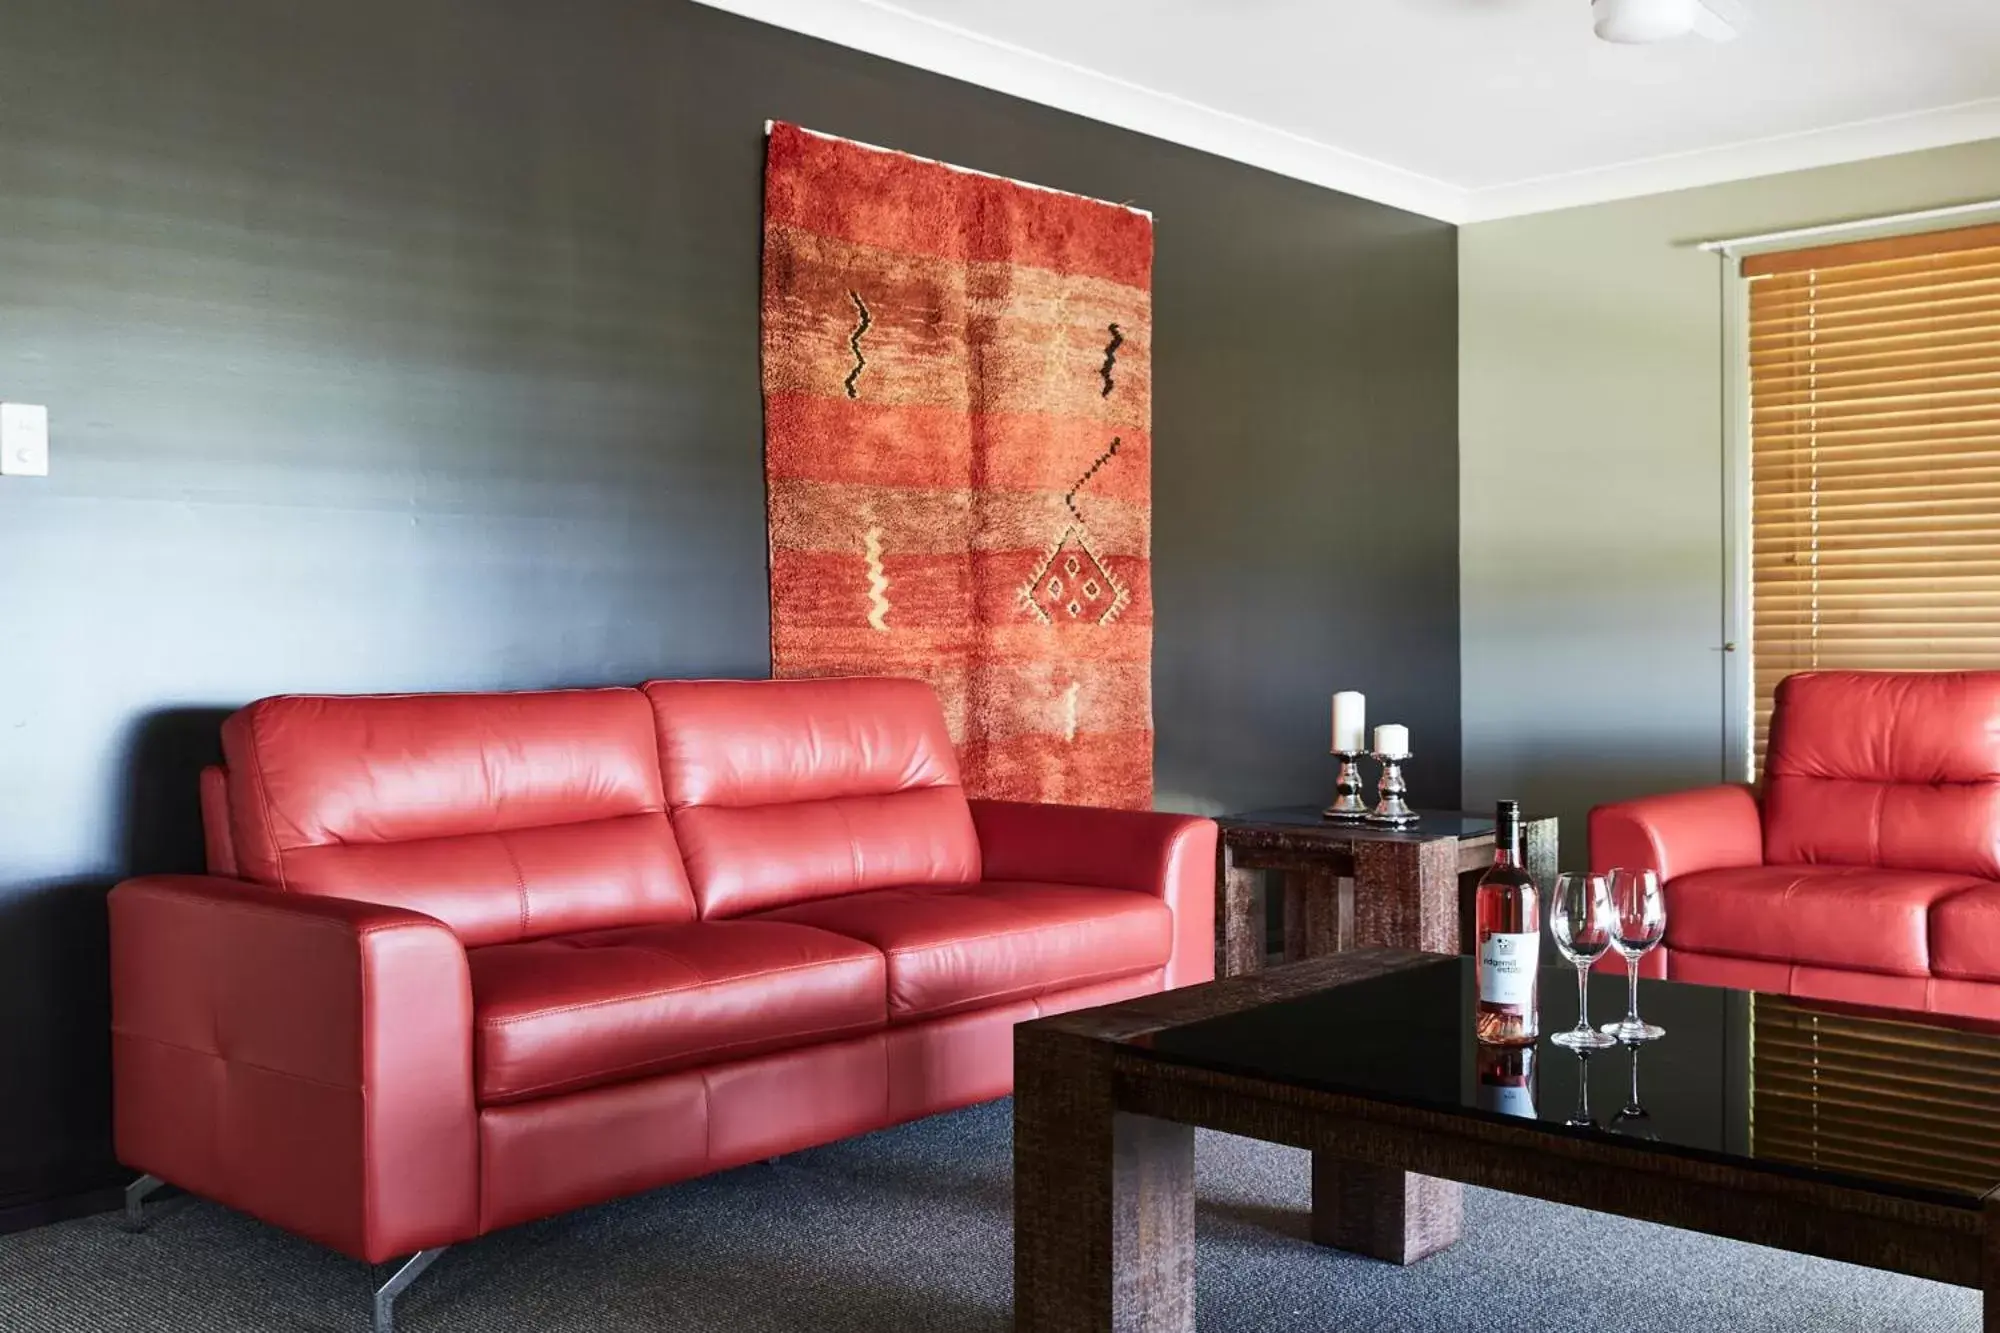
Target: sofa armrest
column 307, row 1060
column 1709, row 828
column 1169, row 856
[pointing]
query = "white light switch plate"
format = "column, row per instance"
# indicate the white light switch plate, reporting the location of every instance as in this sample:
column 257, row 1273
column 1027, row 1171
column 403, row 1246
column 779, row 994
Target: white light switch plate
column 24, row 440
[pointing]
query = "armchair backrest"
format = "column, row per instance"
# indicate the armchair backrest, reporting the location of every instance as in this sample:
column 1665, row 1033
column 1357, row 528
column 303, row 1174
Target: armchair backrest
column 1886, row 768
column 506, row 816
column 784, row 791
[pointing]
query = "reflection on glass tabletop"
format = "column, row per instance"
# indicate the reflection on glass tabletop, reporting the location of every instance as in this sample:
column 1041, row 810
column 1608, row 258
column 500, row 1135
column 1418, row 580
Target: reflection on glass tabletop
column 1907, row 1103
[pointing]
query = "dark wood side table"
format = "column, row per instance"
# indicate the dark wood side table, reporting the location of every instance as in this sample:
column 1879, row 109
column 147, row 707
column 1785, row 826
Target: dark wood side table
column 1411, row 886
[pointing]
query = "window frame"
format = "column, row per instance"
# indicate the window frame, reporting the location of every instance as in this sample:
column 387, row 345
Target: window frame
column 1739, row 682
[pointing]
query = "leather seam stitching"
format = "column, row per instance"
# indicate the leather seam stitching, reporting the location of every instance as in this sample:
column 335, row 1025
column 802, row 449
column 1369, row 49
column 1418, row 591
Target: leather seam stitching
column 552, row 1085
column 328, row 1084
column 853, row 844
column 1037, row 991
column 489, row 1023
column 327, row 924
column 520, row 880
column 264, row 801
column 996, row 935
column 348, row 840
column 368, row 1202
column 1795, row 964
column 709, row 804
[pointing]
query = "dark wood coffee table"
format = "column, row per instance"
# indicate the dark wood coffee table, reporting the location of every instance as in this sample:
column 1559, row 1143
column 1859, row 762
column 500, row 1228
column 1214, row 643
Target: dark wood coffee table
column 1411, row 886
column 1876, row 1138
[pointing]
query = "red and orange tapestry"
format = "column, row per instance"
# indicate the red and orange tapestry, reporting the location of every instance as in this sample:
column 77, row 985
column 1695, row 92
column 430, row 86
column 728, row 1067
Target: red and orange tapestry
column 957, row 407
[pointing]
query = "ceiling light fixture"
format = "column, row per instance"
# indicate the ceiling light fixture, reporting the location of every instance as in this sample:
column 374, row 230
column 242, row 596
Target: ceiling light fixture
column 1638, row 22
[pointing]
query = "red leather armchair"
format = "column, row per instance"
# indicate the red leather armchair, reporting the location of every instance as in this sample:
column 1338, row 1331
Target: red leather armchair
column 1869, row 871
column 468, row 960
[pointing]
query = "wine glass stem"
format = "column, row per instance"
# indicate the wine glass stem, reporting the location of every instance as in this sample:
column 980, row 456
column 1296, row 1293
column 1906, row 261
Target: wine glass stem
column 1632, row 990
column 1583, row 997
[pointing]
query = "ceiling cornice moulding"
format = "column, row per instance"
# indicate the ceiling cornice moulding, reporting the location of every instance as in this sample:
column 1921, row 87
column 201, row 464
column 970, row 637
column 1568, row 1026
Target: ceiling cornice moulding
column 1938, row 127
column 883, row 29
column 911, row 39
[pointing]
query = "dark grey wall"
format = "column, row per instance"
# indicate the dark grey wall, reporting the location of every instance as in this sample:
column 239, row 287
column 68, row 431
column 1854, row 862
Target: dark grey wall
column 412, row 344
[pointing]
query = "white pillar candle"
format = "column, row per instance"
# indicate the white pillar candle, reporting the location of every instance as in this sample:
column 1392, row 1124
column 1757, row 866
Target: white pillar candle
column 1393, row 740
column 1350, row 722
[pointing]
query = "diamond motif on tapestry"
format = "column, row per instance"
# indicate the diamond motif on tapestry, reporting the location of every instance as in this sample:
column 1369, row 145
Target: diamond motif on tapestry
column 1097, row 595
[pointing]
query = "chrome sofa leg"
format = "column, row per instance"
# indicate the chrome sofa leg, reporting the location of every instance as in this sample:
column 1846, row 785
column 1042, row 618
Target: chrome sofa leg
column 386, row 1294
column 135, row 1201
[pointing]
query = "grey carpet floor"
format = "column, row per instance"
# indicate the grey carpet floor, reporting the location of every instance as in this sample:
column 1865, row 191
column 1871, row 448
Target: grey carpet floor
column 909, row 1229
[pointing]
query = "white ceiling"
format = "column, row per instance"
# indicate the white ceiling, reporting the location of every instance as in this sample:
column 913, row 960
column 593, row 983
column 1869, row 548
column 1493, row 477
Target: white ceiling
column 1464, row 109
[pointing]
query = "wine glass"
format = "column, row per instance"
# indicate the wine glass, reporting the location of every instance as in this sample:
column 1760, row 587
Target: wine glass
column 1640, row 920
column 1633, row 1118
column 1581, row 1118
column 1581, row 923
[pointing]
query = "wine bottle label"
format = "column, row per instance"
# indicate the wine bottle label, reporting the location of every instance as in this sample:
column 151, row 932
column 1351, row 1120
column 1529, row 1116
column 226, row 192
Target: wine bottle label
column 1507, row 969
column 1509, row 1099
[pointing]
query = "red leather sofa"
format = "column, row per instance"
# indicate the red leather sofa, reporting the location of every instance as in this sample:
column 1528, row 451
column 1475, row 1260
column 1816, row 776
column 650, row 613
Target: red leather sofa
column 1869, row 869
column 468, row 960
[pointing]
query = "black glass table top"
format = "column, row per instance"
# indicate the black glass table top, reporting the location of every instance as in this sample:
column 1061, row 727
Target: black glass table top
column 1430, row 823
column 1884, row 1101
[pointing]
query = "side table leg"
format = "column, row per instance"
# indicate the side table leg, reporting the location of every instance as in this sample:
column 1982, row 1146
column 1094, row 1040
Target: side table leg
column 1103, row 1201
column 1468, row 898
column 1992, row 1292
column 1384, row 1214
column 1312, row 914
column 1406, row 895
column 1239, row 926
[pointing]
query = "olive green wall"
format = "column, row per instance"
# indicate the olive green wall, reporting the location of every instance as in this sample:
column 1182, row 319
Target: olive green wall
column 1591, row 409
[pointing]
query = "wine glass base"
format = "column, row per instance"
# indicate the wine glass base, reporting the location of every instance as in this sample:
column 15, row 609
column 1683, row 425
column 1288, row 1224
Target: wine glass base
column 1583, row 1039
column 1636, row 1117
column 1631, row 1034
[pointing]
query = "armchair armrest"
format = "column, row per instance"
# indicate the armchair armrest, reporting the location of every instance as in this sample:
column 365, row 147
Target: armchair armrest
column 1169, row 856
column 1709, row 828
column 304, row 1059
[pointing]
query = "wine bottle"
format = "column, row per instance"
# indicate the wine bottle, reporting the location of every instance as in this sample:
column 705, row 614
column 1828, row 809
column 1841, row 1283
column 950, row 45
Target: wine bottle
column 1507, row 919
column 1506, row 1078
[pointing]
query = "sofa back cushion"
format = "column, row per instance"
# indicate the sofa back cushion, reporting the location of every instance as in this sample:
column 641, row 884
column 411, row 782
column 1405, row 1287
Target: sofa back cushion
column 784, row 791
column 506, row 816
column 1885, row 768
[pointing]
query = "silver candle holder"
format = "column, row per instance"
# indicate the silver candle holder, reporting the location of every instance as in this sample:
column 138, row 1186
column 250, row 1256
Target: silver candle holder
column 1390, row 806
column 1347, row 802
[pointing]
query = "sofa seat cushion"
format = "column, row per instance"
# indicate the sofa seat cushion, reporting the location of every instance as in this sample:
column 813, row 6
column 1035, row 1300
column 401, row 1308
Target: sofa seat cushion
column 1965, row 934
column 957, row 947
column 576, row 1011
column 1858, row 917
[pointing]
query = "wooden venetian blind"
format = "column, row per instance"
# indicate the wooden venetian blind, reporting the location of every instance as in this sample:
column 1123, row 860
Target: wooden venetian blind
column 1874, row 457
column 1909, row 1102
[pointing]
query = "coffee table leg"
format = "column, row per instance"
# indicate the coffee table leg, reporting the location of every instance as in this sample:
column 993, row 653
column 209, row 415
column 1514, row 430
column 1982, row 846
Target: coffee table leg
column 1103, row 1201
column 1312, row 913
column 1406, row 895
column 1239, row 926
column 1992, row 1292
column 1384, row 1214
